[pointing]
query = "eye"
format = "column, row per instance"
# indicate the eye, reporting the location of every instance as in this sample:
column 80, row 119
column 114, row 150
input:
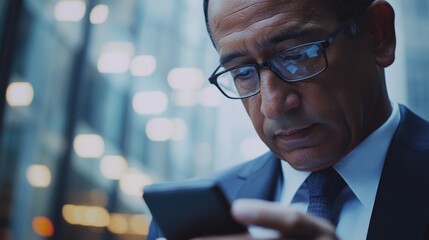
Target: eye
column 301, row 53
column 243, row 73
column 295, row 57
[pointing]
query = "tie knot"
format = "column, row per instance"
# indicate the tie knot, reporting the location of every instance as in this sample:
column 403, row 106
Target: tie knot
column 325, row 183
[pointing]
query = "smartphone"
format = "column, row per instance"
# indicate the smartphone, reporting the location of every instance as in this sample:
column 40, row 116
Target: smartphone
column 191, row 209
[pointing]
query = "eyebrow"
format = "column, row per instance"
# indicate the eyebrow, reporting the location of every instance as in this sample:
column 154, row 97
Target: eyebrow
column 278, row 38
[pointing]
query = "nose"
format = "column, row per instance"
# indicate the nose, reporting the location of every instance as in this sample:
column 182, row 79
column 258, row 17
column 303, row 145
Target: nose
column 277, row 96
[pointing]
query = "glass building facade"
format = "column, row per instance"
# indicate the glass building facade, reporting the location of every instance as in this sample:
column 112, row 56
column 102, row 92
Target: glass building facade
column 102, row 97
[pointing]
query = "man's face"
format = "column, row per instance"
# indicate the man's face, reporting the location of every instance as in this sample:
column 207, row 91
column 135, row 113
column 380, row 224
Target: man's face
column 313, row 123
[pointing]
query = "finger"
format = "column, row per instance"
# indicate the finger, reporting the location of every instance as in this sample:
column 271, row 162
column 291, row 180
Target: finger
column 241, row 236
column 288, row 222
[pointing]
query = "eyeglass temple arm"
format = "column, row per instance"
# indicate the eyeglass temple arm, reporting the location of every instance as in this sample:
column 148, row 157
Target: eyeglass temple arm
column 333, row 35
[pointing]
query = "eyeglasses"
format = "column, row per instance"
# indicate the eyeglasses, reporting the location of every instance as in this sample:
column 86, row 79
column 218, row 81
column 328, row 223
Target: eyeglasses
column 291, row 65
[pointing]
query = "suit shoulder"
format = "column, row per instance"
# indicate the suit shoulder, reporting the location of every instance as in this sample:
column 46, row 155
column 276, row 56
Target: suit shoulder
column 413, row 131
column 245, row 169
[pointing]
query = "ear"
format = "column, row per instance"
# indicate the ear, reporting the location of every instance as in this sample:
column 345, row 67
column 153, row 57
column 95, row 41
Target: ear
column 381, row 24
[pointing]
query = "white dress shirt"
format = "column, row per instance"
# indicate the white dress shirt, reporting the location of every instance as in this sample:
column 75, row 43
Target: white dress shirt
column 361, row 170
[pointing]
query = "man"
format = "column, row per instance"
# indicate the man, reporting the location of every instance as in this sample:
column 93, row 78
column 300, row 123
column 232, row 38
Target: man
column 310, row 74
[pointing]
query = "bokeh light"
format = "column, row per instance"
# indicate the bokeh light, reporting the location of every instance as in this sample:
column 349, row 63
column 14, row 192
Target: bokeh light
column 185, row 78
column 159, row 129
column 88, row 145
column 150, row 102
column 99, row 14
column 113, row 167
column 39, row 175
column 118, row 224
column 133, row 182
column 143, row 65
column 70, row 10
column 93, row 216
column 43, row 226
column 115, row 57
column 139, row 224
column 19, row 94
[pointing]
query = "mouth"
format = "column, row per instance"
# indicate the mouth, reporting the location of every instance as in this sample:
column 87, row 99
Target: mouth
column 294, row 134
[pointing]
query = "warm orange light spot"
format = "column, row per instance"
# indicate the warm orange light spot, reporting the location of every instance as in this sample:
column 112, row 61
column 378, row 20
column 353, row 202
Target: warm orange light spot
column 43, row 226
column 139, row 224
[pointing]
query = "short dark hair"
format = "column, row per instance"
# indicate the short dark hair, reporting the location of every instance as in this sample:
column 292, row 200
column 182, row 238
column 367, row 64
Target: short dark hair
column 343, row 8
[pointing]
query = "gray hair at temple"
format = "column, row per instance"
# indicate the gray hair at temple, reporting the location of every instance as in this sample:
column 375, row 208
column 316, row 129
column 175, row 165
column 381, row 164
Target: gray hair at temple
column 344, row 9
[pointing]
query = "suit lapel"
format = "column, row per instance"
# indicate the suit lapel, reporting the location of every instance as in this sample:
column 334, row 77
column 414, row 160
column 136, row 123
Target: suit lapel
column 258, row 179
column 401, row 206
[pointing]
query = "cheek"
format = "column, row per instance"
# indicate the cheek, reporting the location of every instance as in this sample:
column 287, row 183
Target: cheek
column 341, row 100
column 253, row 109
column 330, row 108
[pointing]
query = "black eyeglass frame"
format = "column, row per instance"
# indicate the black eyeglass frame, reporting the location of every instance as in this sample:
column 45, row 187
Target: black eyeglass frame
column 323, row 44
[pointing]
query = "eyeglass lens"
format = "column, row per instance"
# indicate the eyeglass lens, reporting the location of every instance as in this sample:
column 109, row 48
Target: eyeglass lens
column 292, row 65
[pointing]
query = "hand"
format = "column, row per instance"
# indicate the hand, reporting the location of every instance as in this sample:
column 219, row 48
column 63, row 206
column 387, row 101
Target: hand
column 290, row 224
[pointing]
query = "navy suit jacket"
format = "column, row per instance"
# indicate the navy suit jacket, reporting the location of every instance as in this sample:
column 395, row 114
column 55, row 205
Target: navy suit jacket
column 401, row 209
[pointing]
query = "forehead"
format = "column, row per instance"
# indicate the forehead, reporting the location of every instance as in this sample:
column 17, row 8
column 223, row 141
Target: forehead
column 251, row 22
column 250, row 11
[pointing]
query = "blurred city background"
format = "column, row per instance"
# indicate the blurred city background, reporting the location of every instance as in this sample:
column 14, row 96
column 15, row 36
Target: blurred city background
column 102, row 97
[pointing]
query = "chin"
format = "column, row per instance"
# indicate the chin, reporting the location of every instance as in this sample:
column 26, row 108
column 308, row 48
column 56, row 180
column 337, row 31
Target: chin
column 309, row 161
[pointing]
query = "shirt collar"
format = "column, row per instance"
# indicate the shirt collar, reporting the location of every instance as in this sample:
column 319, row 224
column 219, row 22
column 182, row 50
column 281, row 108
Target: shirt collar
column 361, row 168
column 292, row 181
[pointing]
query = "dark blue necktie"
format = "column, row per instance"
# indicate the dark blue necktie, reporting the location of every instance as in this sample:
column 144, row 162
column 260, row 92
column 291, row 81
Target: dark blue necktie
column 323, row 188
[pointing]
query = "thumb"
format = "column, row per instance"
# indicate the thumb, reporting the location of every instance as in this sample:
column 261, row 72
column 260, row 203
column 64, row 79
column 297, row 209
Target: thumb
column 288, row 222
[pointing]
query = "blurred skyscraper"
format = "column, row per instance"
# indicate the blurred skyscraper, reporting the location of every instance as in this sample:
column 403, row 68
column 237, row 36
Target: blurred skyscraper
column 416, row 32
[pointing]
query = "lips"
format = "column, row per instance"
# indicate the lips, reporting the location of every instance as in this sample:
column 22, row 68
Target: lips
column 294, row 134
